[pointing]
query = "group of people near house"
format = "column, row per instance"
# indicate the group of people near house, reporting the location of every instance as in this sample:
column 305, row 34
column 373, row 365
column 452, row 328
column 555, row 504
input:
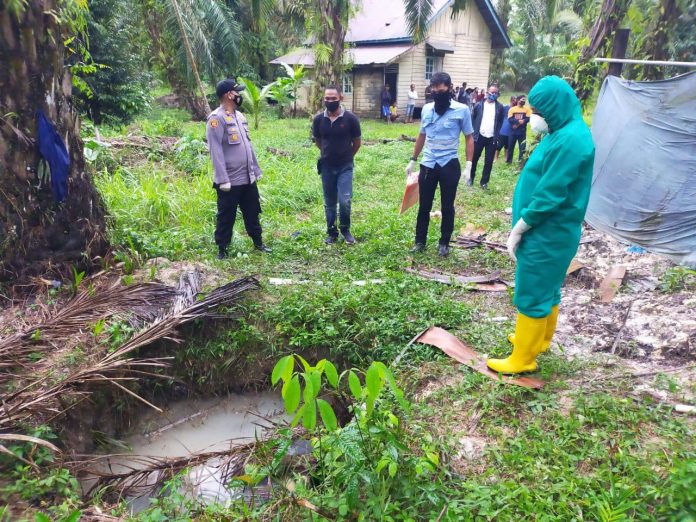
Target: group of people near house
column 496, row 126
column 549, row 202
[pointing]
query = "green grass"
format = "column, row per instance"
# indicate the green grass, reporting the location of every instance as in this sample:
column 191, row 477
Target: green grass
column 560, row 454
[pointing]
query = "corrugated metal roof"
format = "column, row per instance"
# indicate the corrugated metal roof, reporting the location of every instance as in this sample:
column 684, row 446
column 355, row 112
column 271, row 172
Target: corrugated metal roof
column 383, row 20
column 366, row 55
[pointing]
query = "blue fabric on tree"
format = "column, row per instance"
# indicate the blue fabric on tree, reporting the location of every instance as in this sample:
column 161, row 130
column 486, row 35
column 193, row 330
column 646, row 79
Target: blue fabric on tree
column 53, row 150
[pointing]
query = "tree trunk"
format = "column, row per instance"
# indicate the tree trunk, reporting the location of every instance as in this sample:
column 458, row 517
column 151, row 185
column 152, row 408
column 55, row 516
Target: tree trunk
column 197, row 106
column 587, row 72
column 36, row 234
column 655, row 47
column 332, row 35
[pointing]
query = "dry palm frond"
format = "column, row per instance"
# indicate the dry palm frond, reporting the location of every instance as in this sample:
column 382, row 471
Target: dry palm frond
column 45, row 395
column 142, row 475
column 141, row 302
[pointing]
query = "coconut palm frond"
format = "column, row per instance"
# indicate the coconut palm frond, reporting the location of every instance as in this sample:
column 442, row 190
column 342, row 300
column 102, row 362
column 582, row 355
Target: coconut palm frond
column 569, row 23
column 418, row 13
column 210, row 27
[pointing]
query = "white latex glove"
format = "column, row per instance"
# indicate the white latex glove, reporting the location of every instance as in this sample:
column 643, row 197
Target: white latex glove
column 225, row 187
column 467, row 171
column 515, row 237
column 411, row 168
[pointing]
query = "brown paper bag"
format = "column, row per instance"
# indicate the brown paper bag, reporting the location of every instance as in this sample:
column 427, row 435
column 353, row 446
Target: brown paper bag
column 410, row 196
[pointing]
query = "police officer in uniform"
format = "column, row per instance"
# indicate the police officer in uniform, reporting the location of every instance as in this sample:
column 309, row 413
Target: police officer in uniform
column 235, row 167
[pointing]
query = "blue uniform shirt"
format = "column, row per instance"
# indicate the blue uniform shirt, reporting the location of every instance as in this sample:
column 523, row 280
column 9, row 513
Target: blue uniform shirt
column 442, row 132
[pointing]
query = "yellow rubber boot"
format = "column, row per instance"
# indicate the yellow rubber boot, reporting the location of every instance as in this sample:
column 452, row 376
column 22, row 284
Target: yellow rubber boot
column 529, row 337
column 551, row 322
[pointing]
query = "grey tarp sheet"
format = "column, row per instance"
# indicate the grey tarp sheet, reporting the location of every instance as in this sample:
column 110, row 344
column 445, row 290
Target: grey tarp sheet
column 644, row 183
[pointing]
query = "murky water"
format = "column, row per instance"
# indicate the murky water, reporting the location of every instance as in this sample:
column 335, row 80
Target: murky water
column 197, row 426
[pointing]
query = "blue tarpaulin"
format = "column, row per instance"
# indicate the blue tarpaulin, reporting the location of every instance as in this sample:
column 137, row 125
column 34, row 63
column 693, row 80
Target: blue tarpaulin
column 644, row 183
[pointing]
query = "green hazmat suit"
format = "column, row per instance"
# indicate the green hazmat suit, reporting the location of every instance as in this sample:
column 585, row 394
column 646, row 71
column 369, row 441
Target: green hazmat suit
column 551, row 196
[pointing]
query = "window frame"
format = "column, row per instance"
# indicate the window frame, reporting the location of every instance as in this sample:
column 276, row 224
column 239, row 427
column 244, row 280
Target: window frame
column 347, row 83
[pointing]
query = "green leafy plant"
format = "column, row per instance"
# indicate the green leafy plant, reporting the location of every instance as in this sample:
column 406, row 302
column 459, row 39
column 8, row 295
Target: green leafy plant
column 255, row 99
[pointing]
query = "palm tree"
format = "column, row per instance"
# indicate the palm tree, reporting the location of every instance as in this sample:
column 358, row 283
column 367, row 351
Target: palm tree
column 192, row 38
column 37, row 234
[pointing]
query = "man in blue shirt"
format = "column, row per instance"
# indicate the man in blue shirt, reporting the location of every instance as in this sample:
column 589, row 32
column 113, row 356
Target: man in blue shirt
column 441, row 123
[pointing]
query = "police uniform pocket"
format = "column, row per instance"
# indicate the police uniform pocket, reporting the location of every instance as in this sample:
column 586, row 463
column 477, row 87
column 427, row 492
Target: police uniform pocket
column 233, row 135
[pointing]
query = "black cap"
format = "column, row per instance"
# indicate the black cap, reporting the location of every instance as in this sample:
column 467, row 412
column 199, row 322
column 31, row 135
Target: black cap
column 227, row 85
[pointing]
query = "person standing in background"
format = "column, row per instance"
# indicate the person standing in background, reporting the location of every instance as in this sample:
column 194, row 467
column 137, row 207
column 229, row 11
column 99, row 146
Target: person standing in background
column 518, row 116
column 487, row 118
column 463, row 96
column 235, row 167
column 505, row 129
column 385, row 100
column 411, row 103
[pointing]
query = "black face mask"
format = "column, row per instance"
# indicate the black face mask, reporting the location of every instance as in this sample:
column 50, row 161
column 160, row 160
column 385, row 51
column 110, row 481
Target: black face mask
column 332, row 106
column 442, row 101
column 238, row 101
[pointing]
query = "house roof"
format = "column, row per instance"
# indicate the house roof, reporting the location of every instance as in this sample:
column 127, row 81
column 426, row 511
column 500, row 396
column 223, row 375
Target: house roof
column 378, row 55
column 378, row 32
column 380, row 21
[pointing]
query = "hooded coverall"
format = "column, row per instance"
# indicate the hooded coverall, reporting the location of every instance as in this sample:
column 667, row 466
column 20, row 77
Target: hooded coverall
column 551, row 197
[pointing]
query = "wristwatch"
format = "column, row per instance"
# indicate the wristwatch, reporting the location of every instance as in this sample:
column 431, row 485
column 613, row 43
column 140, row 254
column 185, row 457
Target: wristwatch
column 414, row 158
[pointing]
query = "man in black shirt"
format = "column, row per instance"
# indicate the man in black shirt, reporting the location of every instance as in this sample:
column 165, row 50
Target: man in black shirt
column 337, row 134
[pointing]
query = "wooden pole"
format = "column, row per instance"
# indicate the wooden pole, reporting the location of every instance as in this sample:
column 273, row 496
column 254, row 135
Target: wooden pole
column 619, row 51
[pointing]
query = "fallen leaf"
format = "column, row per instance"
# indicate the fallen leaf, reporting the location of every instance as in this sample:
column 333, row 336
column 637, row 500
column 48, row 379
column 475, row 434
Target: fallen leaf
column 457, row 350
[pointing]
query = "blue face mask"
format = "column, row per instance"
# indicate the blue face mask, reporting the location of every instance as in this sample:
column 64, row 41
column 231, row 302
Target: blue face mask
column 492, row 97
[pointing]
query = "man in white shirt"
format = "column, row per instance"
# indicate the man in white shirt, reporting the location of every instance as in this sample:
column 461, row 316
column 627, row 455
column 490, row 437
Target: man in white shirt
column 411, row 104
column 487, row 118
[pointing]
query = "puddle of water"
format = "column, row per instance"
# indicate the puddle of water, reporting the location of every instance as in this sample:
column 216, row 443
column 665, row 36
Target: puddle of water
column 195, row 426
column 203, row 425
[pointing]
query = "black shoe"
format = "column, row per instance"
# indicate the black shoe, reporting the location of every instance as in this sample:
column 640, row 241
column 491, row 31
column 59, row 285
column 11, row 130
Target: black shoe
column 263, row 248
column 443, row 250
column 484, row 186
column 469, row 182
column 418, row 248
column 330, row 240
column 222, row 252
column 350, row 240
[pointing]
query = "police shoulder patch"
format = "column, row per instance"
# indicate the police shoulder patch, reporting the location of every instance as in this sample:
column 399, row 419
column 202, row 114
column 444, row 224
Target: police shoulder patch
column 214, row 122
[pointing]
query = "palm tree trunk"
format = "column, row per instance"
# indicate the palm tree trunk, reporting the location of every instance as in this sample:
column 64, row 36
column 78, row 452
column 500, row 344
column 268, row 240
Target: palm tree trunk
column 197, row 106
column 36, row 234
column 331, row 33
column 189, row 54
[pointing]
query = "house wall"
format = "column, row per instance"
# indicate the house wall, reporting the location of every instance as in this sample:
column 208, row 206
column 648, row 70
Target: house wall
column 367, row 86
column 470, row 62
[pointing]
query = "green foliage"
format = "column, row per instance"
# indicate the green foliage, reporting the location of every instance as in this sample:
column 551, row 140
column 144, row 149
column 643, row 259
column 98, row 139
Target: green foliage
column 255, row 99
column 41, row 482
column 212, row 30
column 119, row 88
column 677, row 279
column 191, row 155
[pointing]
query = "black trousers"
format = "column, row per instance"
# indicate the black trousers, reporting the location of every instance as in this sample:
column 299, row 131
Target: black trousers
column 522, row 140
column 447, row 177
column 246, row 197
column 481, row 144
